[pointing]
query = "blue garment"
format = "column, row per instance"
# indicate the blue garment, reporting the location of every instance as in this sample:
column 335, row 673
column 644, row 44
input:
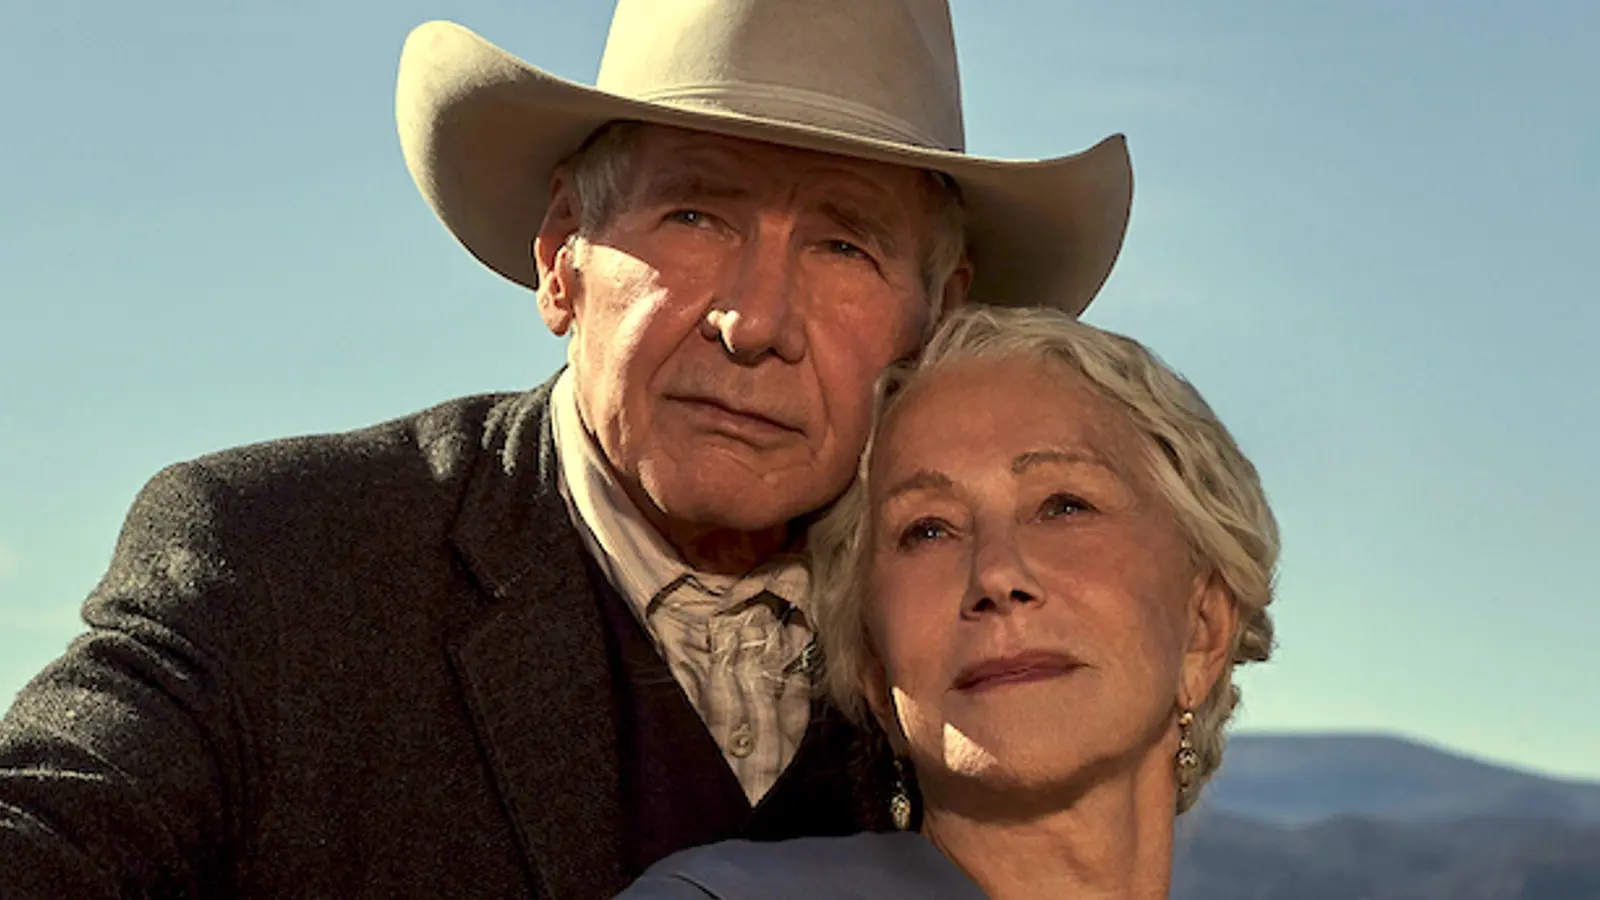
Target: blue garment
column 893, row 866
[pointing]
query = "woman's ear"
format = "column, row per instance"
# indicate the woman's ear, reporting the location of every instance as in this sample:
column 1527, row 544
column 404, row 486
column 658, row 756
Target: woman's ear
column 552, row 252
column 875, row 688
column 1213, row 624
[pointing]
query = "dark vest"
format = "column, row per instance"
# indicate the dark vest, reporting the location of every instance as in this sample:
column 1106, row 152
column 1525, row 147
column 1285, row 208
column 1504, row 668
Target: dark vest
column 678, row 791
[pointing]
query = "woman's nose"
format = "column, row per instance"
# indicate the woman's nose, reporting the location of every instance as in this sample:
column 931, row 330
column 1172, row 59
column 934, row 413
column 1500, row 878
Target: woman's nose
column 1001, row 578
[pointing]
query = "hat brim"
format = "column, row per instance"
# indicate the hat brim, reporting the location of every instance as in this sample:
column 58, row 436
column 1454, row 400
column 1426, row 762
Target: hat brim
column 482, row 130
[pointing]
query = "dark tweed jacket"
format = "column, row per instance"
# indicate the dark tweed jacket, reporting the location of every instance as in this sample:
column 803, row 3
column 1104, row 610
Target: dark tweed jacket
column 364, row 665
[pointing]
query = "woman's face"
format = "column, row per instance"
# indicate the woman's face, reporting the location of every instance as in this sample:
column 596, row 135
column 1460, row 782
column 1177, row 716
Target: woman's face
column 1033, row 606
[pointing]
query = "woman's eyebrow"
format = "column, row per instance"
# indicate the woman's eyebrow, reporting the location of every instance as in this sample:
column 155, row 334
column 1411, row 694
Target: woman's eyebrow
column 1078, row 457
column 920, row 480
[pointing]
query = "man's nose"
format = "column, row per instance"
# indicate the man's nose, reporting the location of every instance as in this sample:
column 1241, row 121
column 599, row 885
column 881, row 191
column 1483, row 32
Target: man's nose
column 1001, row 578
column 757, row 313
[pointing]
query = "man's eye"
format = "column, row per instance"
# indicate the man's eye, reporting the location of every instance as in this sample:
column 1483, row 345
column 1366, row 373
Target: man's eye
column 922, row 531
column 688, row 217
column 1057, row 505
column 845, row 248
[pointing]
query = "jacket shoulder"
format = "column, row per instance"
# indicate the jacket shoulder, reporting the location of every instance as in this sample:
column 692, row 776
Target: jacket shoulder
column 320, row 491
column 437, row 445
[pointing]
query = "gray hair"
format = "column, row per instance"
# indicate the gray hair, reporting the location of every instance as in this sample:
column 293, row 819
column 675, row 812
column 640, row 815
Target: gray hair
column 1214, row 492
column 599, row 172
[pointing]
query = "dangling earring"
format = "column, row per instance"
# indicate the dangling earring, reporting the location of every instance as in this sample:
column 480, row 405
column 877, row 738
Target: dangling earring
column 900, row 801
column 1188, row 759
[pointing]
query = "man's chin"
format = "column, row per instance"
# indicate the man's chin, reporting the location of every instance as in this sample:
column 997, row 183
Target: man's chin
column 743, row 514
column 727, row 498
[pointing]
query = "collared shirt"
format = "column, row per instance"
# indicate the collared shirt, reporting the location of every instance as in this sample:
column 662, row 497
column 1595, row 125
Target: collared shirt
column 735, row 644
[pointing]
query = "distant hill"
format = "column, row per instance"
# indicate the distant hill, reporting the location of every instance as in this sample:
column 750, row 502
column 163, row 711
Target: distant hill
column 1228, row 858
column 1371, row 817
column 1302, row 779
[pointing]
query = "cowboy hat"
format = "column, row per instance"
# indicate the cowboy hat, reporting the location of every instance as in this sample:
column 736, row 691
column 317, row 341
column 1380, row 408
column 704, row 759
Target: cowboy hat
column 482, row 130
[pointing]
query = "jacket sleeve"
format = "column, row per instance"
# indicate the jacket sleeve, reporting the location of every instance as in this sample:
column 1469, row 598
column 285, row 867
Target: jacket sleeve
column 123, row 765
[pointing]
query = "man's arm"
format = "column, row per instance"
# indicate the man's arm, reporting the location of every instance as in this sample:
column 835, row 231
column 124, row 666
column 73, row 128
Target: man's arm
column 123, row 765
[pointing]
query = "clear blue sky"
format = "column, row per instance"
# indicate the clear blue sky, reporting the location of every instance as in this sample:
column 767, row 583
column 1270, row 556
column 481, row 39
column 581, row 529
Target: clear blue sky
column 1367, row 230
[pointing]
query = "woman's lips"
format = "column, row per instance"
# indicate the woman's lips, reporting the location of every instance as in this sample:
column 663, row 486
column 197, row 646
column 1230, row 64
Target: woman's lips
column 1021, row 668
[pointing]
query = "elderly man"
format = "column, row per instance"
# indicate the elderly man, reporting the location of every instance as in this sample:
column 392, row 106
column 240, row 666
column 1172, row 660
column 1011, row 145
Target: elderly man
column 527, row 645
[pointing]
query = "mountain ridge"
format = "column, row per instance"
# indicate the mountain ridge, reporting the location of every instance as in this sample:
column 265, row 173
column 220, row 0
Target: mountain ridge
column 1415, row 741
column 1298, row 779
column 1375, row 816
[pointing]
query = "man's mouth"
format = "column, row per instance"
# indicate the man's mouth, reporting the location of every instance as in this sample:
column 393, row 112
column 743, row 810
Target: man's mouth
column 740, row 419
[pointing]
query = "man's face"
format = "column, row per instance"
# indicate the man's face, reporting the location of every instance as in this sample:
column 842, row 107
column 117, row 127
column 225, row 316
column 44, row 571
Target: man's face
column 731, row 318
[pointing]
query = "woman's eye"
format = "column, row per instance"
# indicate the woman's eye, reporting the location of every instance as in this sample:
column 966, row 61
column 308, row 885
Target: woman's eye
column 1057, row 505
column 921, row 532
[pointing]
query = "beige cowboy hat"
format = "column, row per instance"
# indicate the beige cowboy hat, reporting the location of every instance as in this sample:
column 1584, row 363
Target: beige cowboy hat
column 874, row 79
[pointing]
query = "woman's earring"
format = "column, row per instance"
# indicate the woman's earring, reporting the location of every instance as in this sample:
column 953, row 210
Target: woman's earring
column 1188, row 759
column 900, row 801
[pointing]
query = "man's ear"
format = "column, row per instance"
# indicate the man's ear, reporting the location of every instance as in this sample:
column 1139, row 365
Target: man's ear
column 1213, row 622
column 553, row 255
column 957, row 286
column 875, row 689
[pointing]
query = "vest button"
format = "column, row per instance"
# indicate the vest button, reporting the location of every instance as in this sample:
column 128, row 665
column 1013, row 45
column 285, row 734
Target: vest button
column 742, row 742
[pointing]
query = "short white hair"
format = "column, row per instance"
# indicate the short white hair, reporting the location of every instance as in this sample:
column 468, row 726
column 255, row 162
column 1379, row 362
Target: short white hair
column 599, row 172
column 1213, row 489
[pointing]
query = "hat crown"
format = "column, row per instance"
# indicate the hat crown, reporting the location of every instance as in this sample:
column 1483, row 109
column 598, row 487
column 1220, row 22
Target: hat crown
column 881, row 69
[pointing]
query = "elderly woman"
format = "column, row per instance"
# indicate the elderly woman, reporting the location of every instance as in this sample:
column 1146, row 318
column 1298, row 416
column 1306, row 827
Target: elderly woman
column 1038, row 588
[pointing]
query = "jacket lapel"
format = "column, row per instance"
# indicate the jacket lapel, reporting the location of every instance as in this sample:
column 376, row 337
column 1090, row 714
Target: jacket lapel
column 533, row 666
